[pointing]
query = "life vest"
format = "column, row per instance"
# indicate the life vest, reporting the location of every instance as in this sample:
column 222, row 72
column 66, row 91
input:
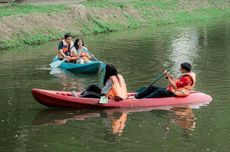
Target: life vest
column 83, row 54
column 66, row 48
column 72, row 58
column 118, row 88
column 186, row 90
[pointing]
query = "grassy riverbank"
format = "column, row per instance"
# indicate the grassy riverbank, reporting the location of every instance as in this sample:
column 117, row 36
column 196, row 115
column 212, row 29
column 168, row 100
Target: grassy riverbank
column 16, row 9
column 35, row 24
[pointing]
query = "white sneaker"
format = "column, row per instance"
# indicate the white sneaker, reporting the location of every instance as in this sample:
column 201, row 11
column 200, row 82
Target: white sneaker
column 74, row 93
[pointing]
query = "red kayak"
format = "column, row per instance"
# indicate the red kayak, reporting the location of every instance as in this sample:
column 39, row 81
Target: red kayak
column 65, row 99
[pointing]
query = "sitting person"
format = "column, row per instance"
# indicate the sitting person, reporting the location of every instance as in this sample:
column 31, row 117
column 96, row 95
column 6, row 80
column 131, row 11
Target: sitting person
column 114, row 86
column 65, row 46
column 80, row 53
column 177, row 87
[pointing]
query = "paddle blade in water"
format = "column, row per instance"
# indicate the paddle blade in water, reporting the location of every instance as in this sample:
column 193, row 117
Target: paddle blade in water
column 55, row 64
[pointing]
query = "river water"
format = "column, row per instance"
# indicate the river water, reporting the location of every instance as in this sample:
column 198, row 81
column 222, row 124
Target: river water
column 140, row 56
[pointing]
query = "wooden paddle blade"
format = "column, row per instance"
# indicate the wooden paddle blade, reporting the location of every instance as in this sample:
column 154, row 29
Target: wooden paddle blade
column 55, row 64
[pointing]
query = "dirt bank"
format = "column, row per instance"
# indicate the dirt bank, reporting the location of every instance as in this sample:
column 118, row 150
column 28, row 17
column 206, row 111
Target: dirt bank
column 40, row 27
column 35, row 28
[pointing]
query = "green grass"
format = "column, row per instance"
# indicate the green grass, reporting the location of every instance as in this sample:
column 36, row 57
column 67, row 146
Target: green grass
column 164, row 4
column 102, row 4
column 149, row 12
column 100, row 26
column 20, row 9
column 166, row 11
column 30, row 39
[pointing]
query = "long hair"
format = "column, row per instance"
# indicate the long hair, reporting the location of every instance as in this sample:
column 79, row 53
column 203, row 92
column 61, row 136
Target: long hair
column 110, row 70
column 76, row 43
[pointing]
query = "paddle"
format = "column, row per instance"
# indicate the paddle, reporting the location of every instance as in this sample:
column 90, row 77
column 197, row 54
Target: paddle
column 57, row 63
column 157, row 78
column 102, row 65
column 91, row 55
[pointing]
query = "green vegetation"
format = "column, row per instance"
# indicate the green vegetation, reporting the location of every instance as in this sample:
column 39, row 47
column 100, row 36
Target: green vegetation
column 100, row 16
column 134, row 3
column 30, row 39
column 20, row 9
column 156, row 12
column 168, row 11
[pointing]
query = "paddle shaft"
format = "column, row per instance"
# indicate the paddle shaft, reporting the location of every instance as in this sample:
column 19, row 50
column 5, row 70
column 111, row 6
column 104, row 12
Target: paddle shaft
column 91, row 55
column 159, row 77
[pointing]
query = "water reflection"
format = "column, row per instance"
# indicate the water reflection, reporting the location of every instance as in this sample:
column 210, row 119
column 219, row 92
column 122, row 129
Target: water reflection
column 116, row 119
column 77, row 81
column 117, row 122
column 60, row 117
column 184, row 118
column 184, row 47
column 68, row 80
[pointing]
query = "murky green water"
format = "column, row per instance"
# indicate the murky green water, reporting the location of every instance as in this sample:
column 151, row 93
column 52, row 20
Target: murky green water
column 140, row 55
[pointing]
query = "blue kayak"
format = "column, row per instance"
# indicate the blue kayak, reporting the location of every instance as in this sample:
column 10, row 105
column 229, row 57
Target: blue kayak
column 94, row 66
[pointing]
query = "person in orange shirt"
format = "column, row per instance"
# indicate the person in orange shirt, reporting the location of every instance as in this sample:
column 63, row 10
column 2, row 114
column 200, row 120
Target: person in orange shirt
column 114, row 86
column 177, row 87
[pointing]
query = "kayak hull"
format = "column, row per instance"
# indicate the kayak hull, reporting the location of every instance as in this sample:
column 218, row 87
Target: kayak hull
column 64, row 99
column 81, row 68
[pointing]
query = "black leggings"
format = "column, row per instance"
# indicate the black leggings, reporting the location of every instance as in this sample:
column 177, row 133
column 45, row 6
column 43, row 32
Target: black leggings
column 154, row 92
column 92, row 91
